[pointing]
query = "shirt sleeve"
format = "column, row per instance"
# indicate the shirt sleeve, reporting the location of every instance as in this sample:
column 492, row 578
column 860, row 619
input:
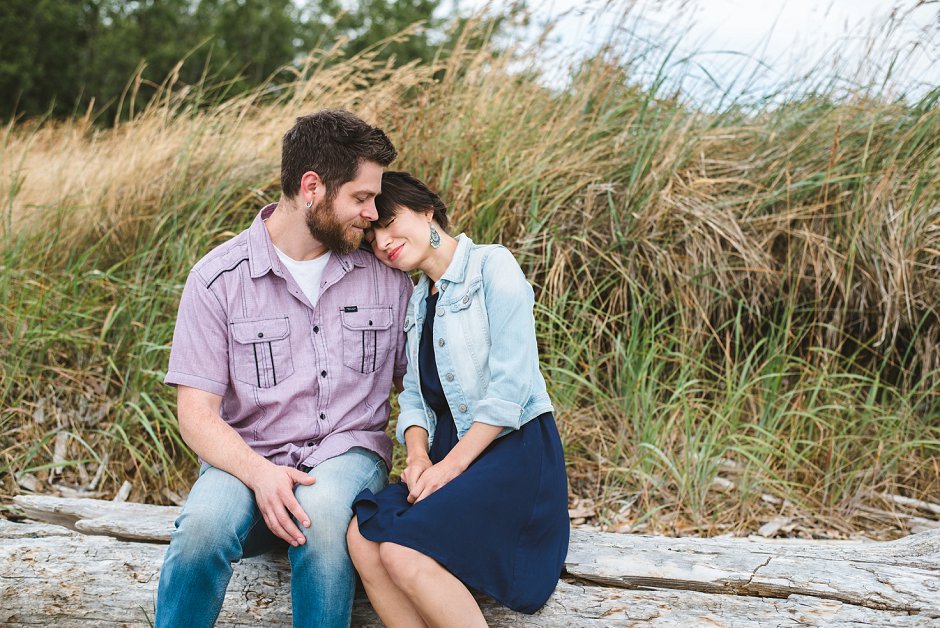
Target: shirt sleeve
column 513, row 355
column 199, row 355
column 401, row 348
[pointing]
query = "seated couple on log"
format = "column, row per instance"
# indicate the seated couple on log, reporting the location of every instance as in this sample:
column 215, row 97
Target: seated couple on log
column 288, row 340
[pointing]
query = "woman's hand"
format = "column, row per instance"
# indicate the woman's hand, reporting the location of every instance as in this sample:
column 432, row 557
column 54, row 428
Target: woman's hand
column 432, row 479
column 414, row 469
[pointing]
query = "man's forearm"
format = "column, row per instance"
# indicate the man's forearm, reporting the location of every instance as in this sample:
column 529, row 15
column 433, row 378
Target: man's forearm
column 216, row 442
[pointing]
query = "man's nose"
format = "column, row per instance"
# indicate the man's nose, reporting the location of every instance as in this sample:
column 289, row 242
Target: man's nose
column 369, row 212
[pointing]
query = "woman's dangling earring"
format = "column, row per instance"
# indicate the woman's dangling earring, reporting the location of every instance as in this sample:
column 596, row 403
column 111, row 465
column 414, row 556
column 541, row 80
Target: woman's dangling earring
column 435, row 236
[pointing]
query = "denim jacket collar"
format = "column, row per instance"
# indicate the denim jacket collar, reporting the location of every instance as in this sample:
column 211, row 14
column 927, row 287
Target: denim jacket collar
column 457, row 269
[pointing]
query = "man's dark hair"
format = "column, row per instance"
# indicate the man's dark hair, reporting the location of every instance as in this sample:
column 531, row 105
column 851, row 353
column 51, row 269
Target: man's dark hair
column 402, row 189
column 332, row 143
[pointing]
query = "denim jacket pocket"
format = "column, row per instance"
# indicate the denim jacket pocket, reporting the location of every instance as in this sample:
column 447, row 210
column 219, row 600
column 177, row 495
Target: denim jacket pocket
column 466, row 298
column 469, row 309
column 261, row 351
column 367, row 336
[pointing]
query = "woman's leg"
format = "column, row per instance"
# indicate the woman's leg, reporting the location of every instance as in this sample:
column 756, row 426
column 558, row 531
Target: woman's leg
column 390, row 602
column 440, row 598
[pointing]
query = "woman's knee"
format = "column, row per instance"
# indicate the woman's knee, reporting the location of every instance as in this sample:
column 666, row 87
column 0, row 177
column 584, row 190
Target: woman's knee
column 403, row 564
column 364, row 553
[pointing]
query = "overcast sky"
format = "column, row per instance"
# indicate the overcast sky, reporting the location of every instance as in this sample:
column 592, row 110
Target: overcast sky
column 723, row 39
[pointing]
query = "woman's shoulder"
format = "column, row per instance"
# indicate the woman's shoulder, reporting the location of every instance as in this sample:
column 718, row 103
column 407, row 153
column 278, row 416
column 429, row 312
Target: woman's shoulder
column 501, row 274
column 494, row 256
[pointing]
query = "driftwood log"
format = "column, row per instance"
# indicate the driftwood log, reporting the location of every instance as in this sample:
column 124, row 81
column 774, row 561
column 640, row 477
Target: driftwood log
column 102, row 569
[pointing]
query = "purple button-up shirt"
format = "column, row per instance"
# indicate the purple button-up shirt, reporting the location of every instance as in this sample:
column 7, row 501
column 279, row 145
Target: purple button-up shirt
column 299, row 383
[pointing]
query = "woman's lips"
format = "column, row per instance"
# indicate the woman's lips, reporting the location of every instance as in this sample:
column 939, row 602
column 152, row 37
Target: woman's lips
column 395, row 252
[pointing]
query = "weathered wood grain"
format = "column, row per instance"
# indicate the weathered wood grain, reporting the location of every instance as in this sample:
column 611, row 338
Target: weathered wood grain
column 124, row 520
column 901, row 575
column 50, row 575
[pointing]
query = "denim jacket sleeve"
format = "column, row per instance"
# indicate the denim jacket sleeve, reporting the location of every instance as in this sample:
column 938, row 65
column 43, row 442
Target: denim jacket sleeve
column 509, row 308
column 410, row 404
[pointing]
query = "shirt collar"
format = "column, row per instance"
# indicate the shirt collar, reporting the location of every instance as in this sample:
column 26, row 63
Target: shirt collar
column 263, row 258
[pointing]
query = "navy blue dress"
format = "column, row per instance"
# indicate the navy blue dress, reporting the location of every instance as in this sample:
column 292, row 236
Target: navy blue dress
column 501, row 526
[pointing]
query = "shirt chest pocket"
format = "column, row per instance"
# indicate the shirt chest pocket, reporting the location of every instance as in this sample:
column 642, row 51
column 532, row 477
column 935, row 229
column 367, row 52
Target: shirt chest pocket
column 469, row 309
column 261, row 351
column 367, row 336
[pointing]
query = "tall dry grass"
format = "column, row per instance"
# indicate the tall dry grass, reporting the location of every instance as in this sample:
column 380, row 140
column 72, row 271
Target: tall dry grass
column 750, row 292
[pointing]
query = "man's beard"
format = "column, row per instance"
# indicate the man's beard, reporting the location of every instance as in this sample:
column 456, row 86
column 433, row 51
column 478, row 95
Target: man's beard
column 323, row 226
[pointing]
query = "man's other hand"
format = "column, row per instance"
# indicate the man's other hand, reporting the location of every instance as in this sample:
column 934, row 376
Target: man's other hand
column 273, row 486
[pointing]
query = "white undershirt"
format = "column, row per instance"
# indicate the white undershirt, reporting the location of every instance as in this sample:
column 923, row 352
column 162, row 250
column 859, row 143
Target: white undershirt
column 307, row 274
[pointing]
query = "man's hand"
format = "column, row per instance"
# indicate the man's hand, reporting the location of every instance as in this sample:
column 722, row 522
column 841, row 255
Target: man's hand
column 432, row 479
column 273, row 486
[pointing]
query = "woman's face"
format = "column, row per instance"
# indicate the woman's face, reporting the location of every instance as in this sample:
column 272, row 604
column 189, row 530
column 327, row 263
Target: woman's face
column 404, row 242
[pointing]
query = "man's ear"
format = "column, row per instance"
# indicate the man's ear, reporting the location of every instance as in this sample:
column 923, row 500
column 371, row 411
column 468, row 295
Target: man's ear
column 312, row 188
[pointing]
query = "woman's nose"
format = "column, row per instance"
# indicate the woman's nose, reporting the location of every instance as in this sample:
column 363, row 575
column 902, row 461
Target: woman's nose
column 382, row 240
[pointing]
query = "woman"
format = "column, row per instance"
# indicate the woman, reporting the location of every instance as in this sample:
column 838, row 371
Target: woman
column 482, row 501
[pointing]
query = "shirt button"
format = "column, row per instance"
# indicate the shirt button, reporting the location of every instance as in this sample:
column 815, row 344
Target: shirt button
column 260, row 334
column 310, row 443
column 316, row 329
column 322, row 416
column 440, row 311
column 441, row 343
column 462, row 407
column 323, row 373
column 450, row 377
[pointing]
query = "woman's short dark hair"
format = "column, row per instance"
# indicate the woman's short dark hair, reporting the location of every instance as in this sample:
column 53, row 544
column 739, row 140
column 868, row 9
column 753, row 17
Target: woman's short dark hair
column 331, row 143
column 403, row 189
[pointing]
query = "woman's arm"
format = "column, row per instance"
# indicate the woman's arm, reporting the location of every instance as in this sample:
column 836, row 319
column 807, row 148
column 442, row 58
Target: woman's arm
column 416, row 444
column 512, row 357
column 477, row 438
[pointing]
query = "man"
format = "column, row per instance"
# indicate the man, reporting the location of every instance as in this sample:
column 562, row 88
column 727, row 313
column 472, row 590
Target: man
column 286, row 344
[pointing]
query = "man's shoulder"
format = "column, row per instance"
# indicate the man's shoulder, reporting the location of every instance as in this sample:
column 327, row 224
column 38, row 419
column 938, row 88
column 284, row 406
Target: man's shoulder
column 224, row 257
column 385, row 274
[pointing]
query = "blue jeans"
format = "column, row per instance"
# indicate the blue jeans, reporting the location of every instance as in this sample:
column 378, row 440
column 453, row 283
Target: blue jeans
column 221, row 524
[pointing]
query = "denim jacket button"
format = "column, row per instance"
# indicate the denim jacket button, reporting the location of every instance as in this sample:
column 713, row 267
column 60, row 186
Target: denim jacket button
column 462, row 407
column 440, row 311
column 450, row 377
column 466, row 300
column 440, row 342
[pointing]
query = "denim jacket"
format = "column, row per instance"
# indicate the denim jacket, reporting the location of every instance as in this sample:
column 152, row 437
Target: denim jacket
column 484, row 344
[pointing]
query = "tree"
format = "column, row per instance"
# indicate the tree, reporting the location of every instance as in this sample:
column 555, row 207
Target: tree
column 43, row 50
column 60, row 56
